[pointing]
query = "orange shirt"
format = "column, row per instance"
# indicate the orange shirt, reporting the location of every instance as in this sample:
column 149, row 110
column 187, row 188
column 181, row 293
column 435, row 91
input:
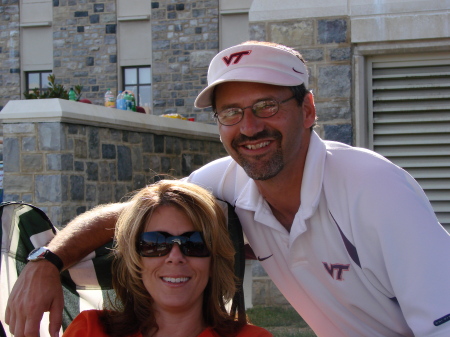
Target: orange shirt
column 87, row 324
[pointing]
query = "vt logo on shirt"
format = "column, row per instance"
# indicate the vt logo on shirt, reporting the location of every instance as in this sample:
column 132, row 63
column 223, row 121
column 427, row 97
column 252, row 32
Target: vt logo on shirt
column 336, row 270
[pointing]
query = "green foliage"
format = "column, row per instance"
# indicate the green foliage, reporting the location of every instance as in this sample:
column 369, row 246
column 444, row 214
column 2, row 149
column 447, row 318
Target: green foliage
column 78, row 89
column 54, row 90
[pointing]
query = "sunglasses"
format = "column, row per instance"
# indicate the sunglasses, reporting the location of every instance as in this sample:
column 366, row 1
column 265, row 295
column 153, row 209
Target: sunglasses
column 155, row 244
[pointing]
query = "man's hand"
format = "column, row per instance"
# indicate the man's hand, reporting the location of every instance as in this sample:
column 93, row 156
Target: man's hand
column 37, row 290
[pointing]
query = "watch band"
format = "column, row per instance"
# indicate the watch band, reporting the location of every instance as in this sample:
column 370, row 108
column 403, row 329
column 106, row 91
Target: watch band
column 53, row 258
column 45, row 253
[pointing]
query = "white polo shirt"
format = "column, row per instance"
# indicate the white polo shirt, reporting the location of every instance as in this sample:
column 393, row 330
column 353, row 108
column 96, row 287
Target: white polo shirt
column 365, row 256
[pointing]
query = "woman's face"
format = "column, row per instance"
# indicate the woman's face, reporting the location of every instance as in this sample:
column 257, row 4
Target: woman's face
column 175, row 282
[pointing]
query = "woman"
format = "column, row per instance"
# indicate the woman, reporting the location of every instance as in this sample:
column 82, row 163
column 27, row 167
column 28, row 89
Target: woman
column 173, row 270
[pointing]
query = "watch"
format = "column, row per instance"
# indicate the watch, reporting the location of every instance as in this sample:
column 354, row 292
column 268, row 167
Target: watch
column 42, row 253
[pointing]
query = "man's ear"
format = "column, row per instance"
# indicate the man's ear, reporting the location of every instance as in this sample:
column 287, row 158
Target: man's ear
column 309, row 111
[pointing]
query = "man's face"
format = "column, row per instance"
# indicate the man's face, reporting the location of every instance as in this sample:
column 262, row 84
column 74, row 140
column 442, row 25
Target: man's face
column 264, row 147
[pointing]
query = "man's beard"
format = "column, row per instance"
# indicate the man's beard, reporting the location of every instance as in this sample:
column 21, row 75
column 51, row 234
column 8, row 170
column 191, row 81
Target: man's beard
column 258, row 168
column 265, row 170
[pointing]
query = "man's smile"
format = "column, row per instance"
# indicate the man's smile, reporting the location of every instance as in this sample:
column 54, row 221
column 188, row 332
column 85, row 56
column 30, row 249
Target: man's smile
column 256, row 146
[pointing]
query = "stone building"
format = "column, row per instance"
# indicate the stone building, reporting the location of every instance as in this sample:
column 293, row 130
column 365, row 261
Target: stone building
column 379, row 69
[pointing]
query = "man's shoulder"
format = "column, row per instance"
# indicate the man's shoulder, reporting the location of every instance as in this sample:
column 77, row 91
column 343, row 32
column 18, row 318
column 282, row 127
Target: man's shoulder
column 358, row 169
column 216, row 174
column 339, row 155
column 354, row 158
column 217, row 168
column 218, row 163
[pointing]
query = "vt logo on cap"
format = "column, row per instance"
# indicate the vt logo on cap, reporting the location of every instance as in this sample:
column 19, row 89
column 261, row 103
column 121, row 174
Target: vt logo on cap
column 236, row 56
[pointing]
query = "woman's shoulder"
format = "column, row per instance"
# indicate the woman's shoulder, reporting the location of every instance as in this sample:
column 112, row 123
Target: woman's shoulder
column 89, row 314
column 87, row 323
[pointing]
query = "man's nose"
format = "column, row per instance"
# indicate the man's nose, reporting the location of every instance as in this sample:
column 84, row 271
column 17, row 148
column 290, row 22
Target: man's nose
column 250, row 124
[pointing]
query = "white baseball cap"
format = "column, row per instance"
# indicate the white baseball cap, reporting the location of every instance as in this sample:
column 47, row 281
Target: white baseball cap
column 270, row 64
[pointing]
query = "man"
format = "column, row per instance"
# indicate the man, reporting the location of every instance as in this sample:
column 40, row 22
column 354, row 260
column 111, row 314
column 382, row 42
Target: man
column 349, row 238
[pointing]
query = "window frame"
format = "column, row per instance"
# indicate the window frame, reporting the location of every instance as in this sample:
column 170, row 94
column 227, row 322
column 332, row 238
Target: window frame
column 40, row 72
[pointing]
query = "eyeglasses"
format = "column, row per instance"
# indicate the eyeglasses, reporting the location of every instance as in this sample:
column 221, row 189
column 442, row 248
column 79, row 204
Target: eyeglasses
column 261, row 109
column 154, row 244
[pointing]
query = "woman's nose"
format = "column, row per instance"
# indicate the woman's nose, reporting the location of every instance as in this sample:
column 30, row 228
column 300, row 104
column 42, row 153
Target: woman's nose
column 175, row 255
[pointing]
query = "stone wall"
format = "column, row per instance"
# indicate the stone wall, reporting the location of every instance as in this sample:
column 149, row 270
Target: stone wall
column 325, row 45
column 264, row 291
column 85, row 46
column 185, row 39
column 66, row 168
column 9, row 51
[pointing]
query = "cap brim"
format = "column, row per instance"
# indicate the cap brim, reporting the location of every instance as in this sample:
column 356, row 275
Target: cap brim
column 246, row 74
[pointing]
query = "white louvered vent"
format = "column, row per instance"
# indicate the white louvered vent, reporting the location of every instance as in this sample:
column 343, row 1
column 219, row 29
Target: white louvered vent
column 410, row 121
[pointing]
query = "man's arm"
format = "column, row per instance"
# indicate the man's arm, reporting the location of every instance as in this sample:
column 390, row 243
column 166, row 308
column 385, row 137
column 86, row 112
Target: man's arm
column 86, row 233
column 38, row 288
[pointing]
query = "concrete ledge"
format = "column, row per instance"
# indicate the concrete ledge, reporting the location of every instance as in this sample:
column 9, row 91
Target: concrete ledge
column 414, row 26
column 60, row 110
column 395, row 7
column 267, row 10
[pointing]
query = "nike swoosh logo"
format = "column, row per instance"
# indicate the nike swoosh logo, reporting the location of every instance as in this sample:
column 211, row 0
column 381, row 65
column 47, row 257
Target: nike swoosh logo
column 299, row 72
column 264, row 258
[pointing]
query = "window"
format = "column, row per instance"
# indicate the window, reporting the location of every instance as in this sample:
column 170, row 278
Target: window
column 37, row 79
column 138, row 80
